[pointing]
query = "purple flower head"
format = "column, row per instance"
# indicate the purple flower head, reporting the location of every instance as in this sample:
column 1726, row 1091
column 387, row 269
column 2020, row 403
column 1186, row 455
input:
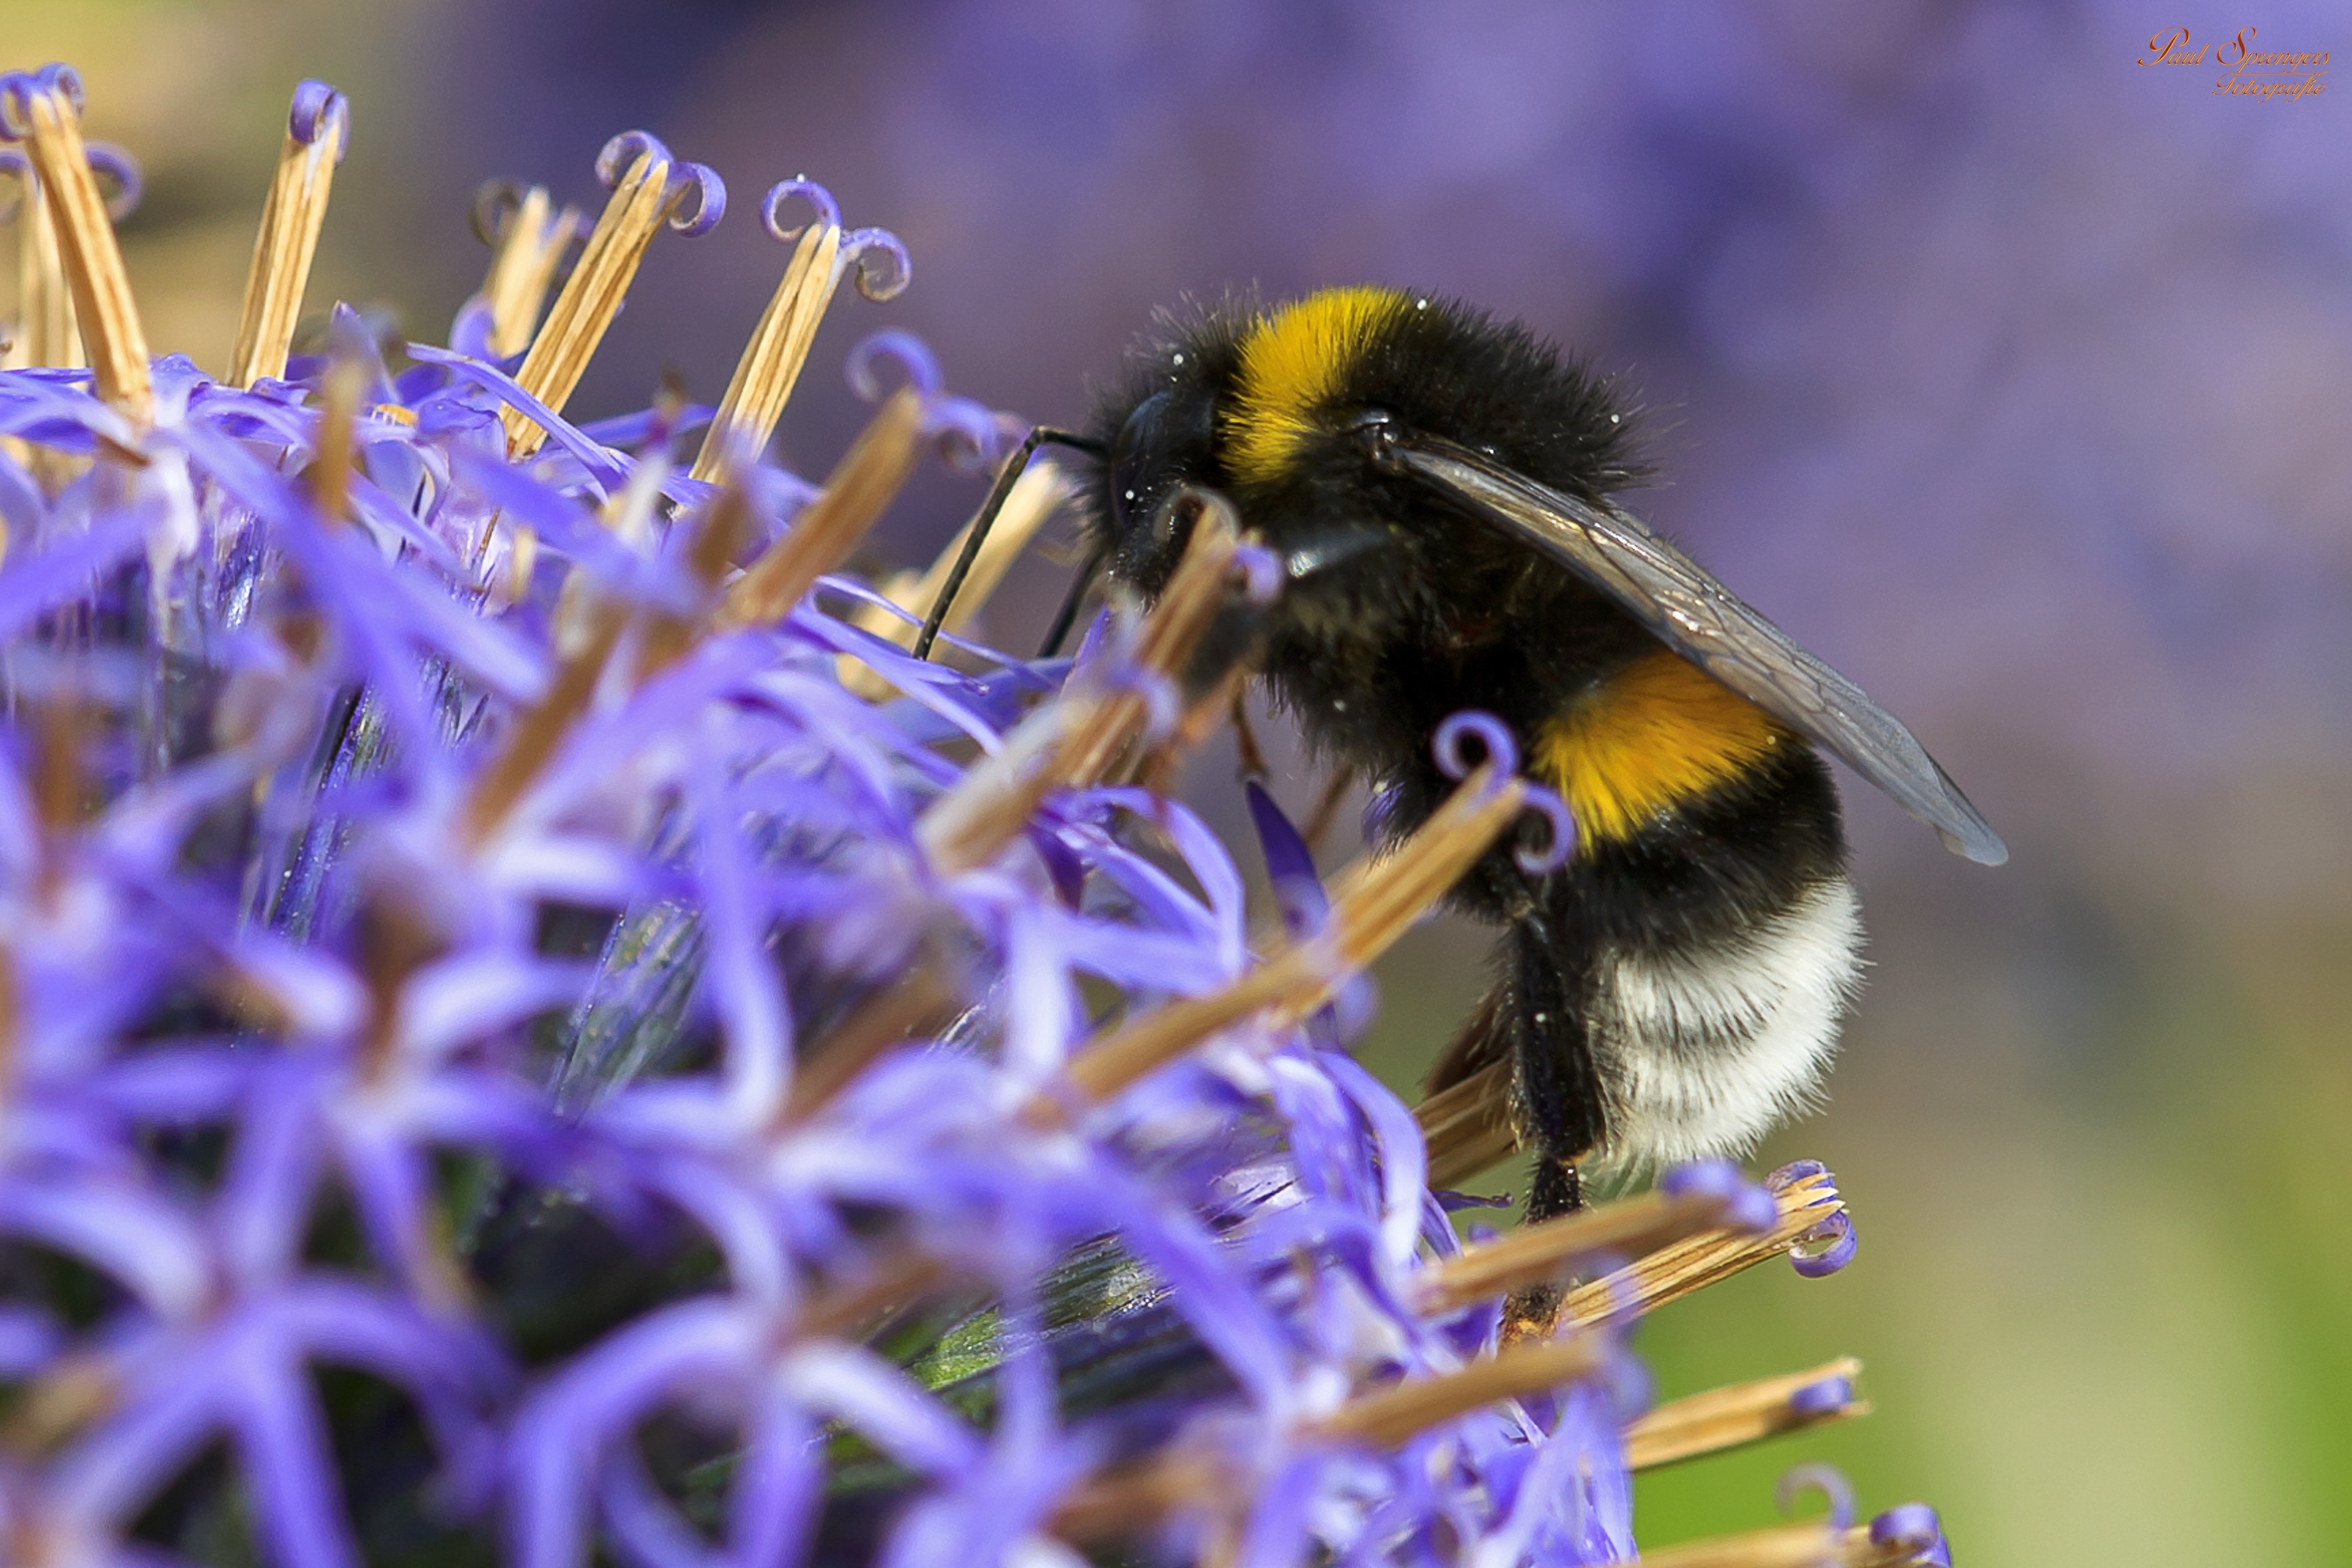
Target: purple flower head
column 511, row 1049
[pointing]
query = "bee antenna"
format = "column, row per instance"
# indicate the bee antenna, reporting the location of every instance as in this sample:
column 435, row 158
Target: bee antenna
column 1006, row 478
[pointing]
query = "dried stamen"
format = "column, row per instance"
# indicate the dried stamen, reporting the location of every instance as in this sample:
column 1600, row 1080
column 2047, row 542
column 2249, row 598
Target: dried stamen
column 845, row 1307
column 834, row 1061
column 1806, row 1204
column 1812, row 1545
column 331, row 468
column 1034, row 499
column 1326, row 807
column 527, row 244
column 1535, row 1254
column 1724, row 1418
column 1132, row 1498
column 719, row 528
column 1469, row 1125
column 45, row 111
column 317, row 134
column 1194, row 593
column 655, row 186
column 46, row 334
column 1127, row 1502
column 1387, row 1416
column 537, row 734
column 61, row 785
column 1073, row 739
column 1376, row 905
column 62, row 1402
column 771, row 363
column 829, row 527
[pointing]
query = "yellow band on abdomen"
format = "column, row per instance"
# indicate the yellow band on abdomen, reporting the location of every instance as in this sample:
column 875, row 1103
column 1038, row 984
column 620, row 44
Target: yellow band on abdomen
column 1656, row 735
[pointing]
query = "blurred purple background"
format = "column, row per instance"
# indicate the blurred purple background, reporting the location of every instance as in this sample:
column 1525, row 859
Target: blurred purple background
column 2008, row 374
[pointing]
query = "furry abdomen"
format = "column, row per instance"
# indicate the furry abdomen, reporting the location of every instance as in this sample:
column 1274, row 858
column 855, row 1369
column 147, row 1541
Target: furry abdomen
column 1701, row 1050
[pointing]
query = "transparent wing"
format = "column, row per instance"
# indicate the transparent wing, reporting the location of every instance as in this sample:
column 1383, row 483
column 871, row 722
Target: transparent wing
column 1704, row 622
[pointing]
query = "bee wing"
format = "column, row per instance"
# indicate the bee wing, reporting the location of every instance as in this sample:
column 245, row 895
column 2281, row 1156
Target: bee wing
column 1707, row 624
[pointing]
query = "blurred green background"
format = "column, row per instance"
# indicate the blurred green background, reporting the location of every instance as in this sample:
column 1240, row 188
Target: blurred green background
column 2006, row 372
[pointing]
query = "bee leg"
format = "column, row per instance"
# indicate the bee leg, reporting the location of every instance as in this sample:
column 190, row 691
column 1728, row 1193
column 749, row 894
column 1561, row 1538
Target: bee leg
column 1253, row 760
column 1007, row 476
column 1327, row 808
column 1065, row 617
column 1558, row 1095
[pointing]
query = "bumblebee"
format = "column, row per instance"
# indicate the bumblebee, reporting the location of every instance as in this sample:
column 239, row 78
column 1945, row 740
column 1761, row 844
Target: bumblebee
column 1439, row 487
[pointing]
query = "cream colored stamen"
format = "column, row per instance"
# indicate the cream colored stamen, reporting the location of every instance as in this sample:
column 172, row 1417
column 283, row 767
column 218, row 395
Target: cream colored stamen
column 1469, row 1125
column 1673, row 1272
column 1815, row 1543
column 1535, row 1254
column 46, row 334
column 771, row 361
column 1374, row 905
column 828, row 528
column 92, row 259
column 1127, row 1502
column 1035, row 498
column 590, row 299
column 1073, row 739
column 282, row 252
column 523, row 268
column 1733, row 1418
column 1387, row 1416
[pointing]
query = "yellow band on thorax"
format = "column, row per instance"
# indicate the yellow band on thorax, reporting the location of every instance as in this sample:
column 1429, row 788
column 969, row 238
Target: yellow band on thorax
column 1291, row 363
column 1656, row 735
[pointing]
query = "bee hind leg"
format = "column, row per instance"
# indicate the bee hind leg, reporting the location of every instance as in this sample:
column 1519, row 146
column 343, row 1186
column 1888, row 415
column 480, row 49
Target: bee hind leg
column 1559, row 1098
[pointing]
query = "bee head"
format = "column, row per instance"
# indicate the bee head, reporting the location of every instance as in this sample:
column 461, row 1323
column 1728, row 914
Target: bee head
column 1162, row 442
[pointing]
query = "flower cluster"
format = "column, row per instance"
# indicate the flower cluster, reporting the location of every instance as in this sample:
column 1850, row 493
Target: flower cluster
column 532, row 1029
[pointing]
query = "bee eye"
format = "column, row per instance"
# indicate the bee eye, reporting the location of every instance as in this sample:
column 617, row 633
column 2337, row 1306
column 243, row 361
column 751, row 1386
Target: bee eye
column 1131, row 457
column 1168, row 441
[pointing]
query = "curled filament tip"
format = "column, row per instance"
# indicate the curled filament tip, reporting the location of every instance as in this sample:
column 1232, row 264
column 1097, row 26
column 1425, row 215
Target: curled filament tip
column 1262, row 574
column 621, row 153
column 495, row 204
column 883, row 267
column 969, row 436
column 58, row 76
column 1560, row 833
column 828, row 211
column 696, row 198
column 118, row 169
column 1820, row 1398
column 1912, row 1528
column 1492, row 734
column 18, row 89
column 318, row 106
column 1834, row 1488
column 904, row 348
column 1826, row 1248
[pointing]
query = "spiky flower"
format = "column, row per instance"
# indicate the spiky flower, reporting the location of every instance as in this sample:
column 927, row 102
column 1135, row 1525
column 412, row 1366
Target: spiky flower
column 532, row 1030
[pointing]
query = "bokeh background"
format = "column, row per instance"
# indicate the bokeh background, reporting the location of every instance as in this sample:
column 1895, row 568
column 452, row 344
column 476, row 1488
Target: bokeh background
column 2009, row 374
